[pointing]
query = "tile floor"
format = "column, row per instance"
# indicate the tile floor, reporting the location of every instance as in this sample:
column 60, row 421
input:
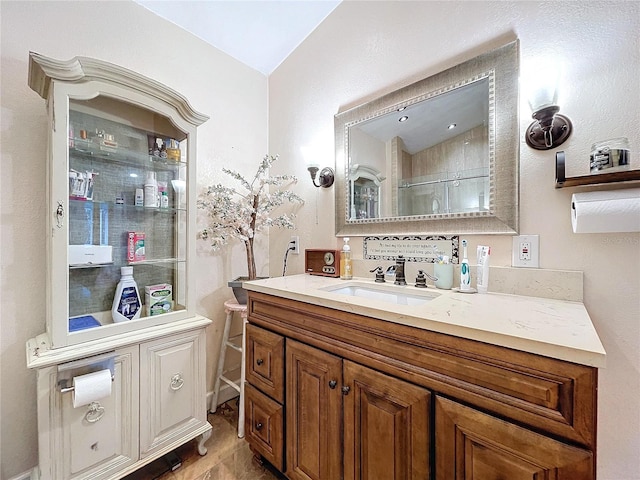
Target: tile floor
column 228, row 457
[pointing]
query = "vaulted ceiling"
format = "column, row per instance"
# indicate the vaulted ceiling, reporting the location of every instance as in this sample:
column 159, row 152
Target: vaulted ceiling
column 259, row 33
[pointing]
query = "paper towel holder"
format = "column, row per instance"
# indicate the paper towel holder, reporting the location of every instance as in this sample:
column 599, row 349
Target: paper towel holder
column 66, row 371
column 62, row 385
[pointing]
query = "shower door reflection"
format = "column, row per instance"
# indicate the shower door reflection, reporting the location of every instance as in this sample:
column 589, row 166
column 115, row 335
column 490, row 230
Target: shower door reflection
column 444, row 193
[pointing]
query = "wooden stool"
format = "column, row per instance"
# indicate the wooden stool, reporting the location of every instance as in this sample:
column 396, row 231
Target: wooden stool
column 231, row 306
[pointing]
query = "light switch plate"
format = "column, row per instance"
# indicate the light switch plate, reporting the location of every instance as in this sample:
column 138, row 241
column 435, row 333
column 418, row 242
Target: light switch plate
column 526, row 251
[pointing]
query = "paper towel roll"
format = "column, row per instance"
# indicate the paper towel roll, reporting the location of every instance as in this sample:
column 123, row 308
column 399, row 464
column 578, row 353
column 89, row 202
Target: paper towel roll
column 91, row 387
column 610, row 211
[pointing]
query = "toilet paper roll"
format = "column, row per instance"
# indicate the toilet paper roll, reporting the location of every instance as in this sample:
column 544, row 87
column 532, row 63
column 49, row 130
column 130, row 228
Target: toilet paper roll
column 91, row 387
column 610, row 211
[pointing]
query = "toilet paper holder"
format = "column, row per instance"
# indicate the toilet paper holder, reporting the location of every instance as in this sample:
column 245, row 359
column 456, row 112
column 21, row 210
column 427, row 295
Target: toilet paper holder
column 67, row 371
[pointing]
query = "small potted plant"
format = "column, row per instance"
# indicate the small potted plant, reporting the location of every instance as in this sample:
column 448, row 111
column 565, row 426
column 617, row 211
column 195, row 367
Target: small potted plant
column 242, row 214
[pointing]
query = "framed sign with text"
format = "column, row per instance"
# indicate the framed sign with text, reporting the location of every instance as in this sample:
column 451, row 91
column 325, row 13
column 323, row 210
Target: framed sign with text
column 413, row 248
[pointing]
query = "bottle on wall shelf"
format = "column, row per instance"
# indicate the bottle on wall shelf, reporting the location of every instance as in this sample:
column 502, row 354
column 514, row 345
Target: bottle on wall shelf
column 465, row 274
column 345, row 261
column 126, row 302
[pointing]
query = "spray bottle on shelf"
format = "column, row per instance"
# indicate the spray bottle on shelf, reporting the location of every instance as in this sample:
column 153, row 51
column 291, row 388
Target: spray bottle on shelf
column 345, row 261
column 126, row 302
column 465, row 274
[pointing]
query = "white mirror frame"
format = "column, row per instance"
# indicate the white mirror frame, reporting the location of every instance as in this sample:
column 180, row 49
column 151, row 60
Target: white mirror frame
column 502, row 218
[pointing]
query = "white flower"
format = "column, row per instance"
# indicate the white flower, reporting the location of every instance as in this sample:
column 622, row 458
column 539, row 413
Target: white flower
column 242, row 215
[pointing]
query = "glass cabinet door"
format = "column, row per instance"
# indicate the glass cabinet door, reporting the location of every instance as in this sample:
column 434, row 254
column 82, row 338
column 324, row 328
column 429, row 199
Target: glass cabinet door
column 126, row 208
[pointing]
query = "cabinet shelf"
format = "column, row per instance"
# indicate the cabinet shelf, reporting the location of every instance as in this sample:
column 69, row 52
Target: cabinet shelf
column 599, row 178
column 158, row 261
column 131, row 208
column 90, row 265
column 122, row 156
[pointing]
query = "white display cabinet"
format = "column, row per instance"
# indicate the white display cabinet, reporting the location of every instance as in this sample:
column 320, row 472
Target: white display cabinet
column 121, row 190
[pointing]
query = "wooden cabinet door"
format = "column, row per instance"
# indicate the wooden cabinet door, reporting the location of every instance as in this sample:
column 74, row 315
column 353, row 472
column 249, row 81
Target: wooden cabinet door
column 313, row 413
column 386, row 427
column 471, row 445
column 172, row 390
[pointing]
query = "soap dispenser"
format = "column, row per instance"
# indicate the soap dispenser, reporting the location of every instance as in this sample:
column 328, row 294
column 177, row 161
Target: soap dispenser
column 345, row 261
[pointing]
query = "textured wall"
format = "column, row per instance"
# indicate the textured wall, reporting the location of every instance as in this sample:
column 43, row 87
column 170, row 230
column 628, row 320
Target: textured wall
column 366, row 49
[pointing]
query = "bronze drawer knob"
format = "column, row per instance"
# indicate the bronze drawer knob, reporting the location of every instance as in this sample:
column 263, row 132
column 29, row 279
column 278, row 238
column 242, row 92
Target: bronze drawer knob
column 259, row 361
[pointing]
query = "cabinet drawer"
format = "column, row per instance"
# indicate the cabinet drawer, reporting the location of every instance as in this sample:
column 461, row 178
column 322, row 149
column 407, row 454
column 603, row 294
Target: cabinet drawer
column 265, row 361
column 264, row 426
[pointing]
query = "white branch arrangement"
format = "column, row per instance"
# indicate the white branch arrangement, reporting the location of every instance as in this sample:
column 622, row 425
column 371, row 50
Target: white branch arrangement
column 243, row 214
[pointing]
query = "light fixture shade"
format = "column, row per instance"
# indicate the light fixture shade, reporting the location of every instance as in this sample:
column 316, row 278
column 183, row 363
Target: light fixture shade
column 545, row 96
column 543, row 89
column 550, row 129
column 310, row 156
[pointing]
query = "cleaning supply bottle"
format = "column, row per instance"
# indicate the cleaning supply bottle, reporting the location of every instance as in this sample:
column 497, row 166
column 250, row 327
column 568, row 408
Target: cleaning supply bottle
column 345, row 261
column 126, row 302
column 465, row 274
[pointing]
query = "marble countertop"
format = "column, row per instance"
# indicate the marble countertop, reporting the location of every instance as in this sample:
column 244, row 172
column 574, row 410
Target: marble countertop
column 553, row 328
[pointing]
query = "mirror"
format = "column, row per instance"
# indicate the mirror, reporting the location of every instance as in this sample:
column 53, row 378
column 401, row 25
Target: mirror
column 438, row 156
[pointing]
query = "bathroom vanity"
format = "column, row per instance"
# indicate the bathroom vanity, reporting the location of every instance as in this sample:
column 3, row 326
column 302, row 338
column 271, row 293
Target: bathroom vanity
column 115, row 392
column 352, row 379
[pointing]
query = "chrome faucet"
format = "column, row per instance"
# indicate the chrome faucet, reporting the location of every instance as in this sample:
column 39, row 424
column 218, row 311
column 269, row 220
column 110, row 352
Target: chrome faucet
column 399, row 269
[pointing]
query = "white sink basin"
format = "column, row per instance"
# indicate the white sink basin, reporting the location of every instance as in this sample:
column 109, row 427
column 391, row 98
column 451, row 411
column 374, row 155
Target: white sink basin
column 399, row 295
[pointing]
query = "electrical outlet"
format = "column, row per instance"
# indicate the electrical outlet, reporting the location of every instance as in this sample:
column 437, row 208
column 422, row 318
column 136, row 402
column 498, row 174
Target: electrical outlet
column 295, row 243
column 526, row 251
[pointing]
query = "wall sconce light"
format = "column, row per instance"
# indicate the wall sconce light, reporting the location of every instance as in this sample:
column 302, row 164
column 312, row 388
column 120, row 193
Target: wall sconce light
column 312, row 157
column 550, row 129
column 326, row 176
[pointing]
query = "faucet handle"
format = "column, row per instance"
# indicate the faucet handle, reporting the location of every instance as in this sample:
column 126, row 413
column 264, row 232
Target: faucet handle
column 421, row 279
column 379, row 274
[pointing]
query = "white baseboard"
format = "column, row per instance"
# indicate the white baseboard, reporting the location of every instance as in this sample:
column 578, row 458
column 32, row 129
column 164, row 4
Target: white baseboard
column 29, row 475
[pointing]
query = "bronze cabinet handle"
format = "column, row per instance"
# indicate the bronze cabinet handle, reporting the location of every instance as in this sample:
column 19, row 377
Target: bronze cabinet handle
column 345, row 390
column 259, row 361
column 333, row 384
column 258, row 426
